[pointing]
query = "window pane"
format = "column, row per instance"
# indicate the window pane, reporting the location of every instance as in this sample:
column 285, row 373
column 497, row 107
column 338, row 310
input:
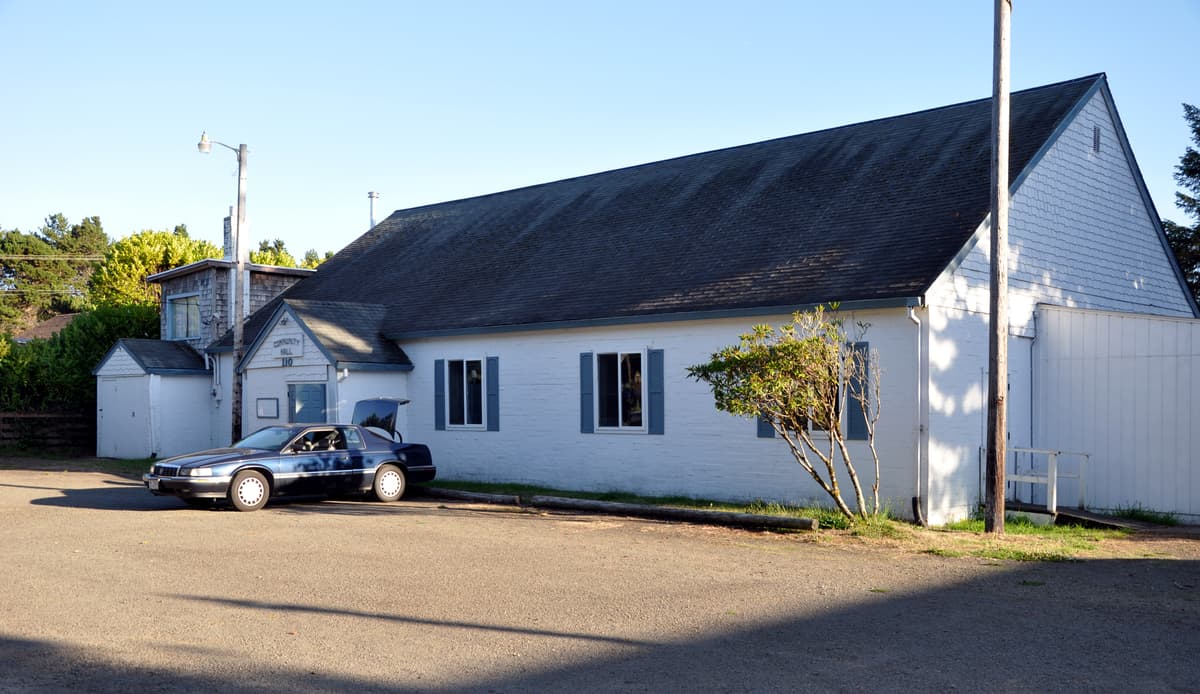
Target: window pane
column 631, row 390
column 455, row 391
column 607, row 401
column 474, row 392
column 193, row 316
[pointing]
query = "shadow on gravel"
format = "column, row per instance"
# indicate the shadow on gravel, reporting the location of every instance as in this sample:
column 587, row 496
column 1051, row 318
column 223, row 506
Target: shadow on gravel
column 117, row 497
column 1085, row 626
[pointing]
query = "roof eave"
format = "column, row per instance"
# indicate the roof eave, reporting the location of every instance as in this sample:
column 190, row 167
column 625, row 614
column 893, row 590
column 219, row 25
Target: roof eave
column 856, row 305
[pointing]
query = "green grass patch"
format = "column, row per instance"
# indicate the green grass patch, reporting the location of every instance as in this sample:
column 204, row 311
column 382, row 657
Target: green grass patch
column 1145, row 515
column 1016, row 525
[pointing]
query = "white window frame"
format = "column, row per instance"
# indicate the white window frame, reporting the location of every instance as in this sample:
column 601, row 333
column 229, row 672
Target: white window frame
column 171, row 300
column 482, row 425
column 645, row 395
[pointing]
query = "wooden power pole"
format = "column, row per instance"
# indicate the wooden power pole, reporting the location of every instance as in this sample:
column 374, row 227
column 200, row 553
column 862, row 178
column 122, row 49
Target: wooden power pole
column 997, row 423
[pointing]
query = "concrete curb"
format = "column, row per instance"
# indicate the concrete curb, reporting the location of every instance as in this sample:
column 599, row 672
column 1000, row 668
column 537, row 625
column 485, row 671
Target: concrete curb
column 481, row 497
column 728, row 518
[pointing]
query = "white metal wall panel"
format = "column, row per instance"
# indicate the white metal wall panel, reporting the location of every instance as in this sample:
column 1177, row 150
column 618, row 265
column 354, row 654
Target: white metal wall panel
column 1121, row 388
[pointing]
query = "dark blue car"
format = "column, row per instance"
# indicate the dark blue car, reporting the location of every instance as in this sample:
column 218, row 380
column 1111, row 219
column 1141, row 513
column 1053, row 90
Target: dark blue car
column 301, row 459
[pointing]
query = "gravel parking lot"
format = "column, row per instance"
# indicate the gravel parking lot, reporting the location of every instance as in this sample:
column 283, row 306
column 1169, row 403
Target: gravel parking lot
column 104, row 587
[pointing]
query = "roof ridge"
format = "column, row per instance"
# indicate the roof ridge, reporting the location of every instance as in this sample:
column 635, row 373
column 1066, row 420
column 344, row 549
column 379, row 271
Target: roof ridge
column 682, row 157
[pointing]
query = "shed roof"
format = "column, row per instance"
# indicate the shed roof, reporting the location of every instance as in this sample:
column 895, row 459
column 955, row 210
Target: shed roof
column 159, row 356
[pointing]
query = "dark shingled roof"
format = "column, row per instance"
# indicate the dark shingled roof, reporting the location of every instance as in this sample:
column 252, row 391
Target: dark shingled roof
column 871, row 212
column 349, row 332
column 160, row 356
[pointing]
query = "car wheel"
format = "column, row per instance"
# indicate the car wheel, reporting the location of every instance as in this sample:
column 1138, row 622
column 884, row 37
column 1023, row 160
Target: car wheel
column 249, row 490
column 389, row 483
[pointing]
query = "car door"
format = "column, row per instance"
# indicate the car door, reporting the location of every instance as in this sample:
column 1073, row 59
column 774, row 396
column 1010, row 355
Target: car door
column 314, row 464
column 351, row 444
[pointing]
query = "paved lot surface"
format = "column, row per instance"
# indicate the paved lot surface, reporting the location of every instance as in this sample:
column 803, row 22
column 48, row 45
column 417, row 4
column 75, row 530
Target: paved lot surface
column 106, row 588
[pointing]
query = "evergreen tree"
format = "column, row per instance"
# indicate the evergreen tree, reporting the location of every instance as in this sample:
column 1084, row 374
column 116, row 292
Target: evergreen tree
column 1185, row 240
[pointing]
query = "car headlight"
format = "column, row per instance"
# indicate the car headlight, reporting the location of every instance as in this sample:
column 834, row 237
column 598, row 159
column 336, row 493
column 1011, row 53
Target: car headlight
column 200, row 472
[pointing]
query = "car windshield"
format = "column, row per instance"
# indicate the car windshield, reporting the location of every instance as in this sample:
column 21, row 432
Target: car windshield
column 269, row 439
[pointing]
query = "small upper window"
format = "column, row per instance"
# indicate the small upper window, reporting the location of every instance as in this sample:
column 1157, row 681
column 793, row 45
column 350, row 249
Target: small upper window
column 184, row 312
column 620, row 390
column 464, row 396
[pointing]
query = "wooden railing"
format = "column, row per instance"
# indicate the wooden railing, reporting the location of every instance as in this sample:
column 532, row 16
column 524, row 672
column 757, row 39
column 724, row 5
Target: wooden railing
column 1050, row 477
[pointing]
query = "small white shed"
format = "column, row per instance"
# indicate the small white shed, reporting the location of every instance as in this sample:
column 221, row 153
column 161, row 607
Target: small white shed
column 147, row 393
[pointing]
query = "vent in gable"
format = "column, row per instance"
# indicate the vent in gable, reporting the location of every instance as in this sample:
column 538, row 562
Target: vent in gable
column 1096, row 139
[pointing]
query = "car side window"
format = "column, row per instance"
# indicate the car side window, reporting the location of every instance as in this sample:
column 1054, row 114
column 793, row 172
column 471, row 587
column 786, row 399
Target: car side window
column 351, row 439
column 318, row 440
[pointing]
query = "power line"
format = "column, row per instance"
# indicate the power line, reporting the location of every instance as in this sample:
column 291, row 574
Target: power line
column 51, row 257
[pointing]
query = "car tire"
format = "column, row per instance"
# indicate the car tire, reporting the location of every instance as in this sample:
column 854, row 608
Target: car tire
column 249, row 490
column 389, row 483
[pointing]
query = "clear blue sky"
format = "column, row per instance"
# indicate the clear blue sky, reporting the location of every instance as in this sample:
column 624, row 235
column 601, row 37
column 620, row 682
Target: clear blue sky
column 103, row 103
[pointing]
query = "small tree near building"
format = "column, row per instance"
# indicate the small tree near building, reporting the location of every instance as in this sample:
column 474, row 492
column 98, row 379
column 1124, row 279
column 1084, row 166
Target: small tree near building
column 804, row 377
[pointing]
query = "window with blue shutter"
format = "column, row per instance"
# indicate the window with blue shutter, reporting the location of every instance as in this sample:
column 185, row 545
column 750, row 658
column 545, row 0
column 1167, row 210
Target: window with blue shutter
column 587, row 417
column 654, row 388
column 439, row 394
column 765, row 430
column 622, row 391
column 856, row 418
column 492, row 381
column 467, row 394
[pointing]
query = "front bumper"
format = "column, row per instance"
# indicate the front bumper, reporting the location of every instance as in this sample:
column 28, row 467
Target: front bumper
column 188, row 487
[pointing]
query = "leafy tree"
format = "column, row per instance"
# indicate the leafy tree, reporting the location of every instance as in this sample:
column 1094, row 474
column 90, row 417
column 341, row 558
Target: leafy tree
column 84, row 240
column 312, row 259
column 121, row 277
column 276, row 253
column 55, row 374
column 273, row 254
column 37, row 280
column 1184, row 240
column 800, row 377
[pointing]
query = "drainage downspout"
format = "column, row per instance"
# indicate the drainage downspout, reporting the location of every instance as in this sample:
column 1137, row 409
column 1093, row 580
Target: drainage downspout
column 918, row 516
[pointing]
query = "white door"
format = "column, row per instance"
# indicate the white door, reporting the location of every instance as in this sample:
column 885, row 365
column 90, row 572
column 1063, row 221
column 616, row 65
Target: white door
column 122, row 417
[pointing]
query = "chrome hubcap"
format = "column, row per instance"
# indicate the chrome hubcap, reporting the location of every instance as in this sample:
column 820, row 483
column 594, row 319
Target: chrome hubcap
column 389, row 483
column 250, row 491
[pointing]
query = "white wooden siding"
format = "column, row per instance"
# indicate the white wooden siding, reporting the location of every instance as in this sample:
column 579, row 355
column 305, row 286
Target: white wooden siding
column 1126, row 389
column 703, row 453
column 1080, row 235
column 119, row 363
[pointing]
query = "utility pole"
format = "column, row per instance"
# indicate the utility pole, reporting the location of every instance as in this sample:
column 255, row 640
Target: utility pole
column 997, row 422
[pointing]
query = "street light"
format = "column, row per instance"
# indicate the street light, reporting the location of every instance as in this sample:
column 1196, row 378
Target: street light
column 235, row 285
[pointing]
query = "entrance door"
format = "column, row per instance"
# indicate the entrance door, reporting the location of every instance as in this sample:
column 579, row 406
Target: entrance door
column 306, row 403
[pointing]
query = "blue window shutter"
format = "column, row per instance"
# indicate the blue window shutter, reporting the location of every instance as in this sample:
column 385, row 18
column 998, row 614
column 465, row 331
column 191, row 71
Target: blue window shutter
column 439, row 394
column 587, row 417
column 765, row 430
column 654, row 385
column 493, row 393
column 856, row 419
